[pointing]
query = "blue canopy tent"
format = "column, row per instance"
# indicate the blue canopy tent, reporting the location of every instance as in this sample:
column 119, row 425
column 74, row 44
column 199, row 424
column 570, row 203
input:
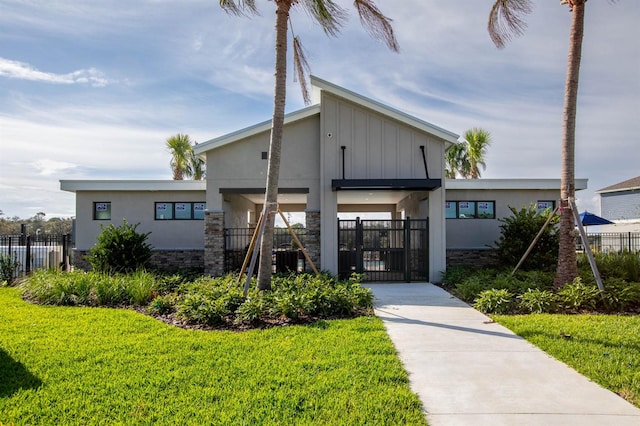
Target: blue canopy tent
column 589, row 219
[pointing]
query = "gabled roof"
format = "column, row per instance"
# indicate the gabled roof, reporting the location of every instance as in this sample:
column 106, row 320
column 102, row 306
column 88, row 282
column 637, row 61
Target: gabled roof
column 627, row 185
column 317, row 86
column 221, row 141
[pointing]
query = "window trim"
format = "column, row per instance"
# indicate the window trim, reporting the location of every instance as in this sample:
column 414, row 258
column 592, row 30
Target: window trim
column 173, row 210
column 95, row 210
column 539, row 210
column 475, row 208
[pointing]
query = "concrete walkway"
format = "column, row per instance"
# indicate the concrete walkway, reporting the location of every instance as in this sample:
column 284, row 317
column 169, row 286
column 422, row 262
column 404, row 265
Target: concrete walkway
column 469, row 371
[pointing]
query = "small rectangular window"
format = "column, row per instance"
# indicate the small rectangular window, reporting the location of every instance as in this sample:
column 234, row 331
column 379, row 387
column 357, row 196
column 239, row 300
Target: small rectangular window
column 102, row 210
column 164, row 211
column 450, row 210
column 183, row 211
column 486, row 210
column 466, row 209
column 546, row 205
column 198, row 210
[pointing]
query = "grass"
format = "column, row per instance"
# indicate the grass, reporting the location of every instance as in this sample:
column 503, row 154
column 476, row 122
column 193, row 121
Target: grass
column 80, row 366
column 604, row 348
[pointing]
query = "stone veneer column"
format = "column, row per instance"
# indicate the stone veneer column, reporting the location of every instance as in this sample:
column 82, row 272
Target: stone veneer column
column 214, row 243
column 312, row 241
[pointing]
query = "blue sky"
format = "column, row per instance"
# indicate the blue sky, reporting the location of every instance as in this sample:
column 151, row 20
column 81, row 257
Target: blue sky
column 91, row 89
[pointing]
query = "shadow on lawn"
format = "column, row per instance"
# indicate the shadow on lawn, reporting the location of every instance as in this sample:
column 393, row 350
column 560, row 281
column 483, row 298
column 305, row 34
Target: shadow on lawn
column 14, row 376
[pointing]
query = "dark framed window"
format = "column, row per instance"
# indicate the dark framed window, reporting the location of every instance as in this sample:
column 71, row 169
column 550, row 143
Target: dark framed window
column 102, row 210
column 179, row 210
column 470, row 210
column 544, row 205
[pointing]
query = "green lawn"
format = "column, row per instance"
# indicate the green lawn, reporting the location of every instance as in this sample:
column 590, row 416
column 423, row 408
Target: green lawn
column 69, row 365
column 604, row 348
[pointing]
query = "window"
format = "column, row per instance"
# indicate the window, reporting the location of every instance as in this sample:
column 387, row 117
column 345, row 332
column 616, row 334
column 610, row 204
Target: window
column 102, row 210
column 450, row 211
column 470, row 210
column 180, row 211
column 544, row 205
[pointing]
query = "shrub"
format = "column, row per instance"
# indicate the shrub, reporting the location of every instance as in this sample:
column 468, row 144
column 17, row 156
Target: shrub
column 536, row 301
column 578, row 296
column 8, row 267
column 494, row 301
column 625, row 265
column 621, row 296
column 471, row 288
column 518, row 232
column 120, row 249
column 455, row 275
column 89, row 288
column 162, row 305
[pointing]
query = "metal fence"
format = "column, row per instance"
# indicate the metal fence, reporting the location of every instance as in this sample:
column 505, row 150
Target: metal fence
column 287, row 256
column 32, row 252
column 610, row 242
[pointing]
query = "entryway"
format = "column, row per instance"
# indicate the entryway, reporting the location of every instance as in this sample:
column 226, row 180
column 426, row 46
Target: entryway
column 384, row 250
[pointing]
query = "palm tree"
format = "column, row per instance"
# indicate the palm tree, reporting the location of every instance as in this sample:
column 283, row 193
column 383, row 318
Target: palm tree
column 457, row 160
column 181, row 151
column 505, row 20
column 331, row 17
column 478, row 140
column 197, row 167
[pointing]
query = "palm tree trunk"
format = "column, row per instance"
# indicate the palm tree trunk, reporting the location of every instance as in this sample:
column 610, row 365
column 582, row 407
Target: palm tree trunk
column 275, row 145
column 567, row 264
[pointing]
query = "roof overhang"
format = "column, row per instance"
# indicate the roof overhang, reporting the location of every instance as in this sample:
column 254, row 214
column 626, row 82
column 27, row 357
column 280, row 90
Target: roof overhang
column 133, row 185
column 265, row 126
column 385, row 184
column 513, row 184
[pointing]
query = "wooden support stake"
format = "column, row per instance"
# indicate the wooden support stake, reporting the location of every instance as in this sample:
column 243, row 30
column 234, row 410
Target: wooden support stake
column 252, row 244
column 295, row 237
column 254, row 256
column 587, row 247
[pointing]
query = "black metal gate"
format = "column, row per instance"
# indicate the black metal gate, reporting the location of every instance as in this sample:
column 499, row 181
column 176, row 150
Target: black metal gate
column 384, row 250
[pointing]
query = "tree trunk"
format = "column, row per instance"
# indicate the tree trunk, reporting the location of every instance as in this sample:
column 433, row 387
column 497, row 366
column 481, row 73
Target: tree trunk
column 567, row 264
column 275, row 145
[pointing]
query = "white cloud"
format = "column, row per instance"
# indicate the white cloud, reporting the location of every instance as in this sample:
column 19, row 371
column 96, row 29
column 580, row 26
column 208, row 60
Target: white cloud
column 22, row 71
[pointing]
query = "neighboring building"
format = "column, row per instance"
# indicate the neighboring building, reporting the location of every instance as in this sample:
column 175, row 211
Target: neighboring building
column 345, row 153
column 620, row 203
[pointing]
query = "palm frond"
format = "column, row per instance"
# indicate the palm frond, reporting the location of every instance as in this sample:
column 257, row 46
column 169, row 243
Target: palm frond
column 239, row 7
column 376, row 23
column 506, row 20
column 300, row 69
column 327, row 13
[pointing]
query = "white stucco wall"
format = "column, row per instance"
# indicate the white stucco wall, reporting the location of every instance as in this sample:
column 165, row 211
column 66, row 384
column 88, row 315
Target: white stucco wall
column 139, row 207
column 479, row 233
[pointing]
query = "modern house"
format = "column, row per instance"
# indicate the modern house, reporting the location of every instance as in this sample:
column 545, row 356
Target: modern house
column 621, row 201
column 344, row 154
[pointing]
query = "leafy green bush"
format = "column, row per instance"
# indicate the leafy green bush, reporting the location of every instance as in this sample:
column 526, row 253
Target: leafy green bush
column 494, row 301
column 579, row 296
column 120, row 249
column 518, row 232
column 625, row 265
column 456, row 275
column 536, row 301
column 8, row 267
column 621, row 296
column 162, row 305
column 470, row 288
